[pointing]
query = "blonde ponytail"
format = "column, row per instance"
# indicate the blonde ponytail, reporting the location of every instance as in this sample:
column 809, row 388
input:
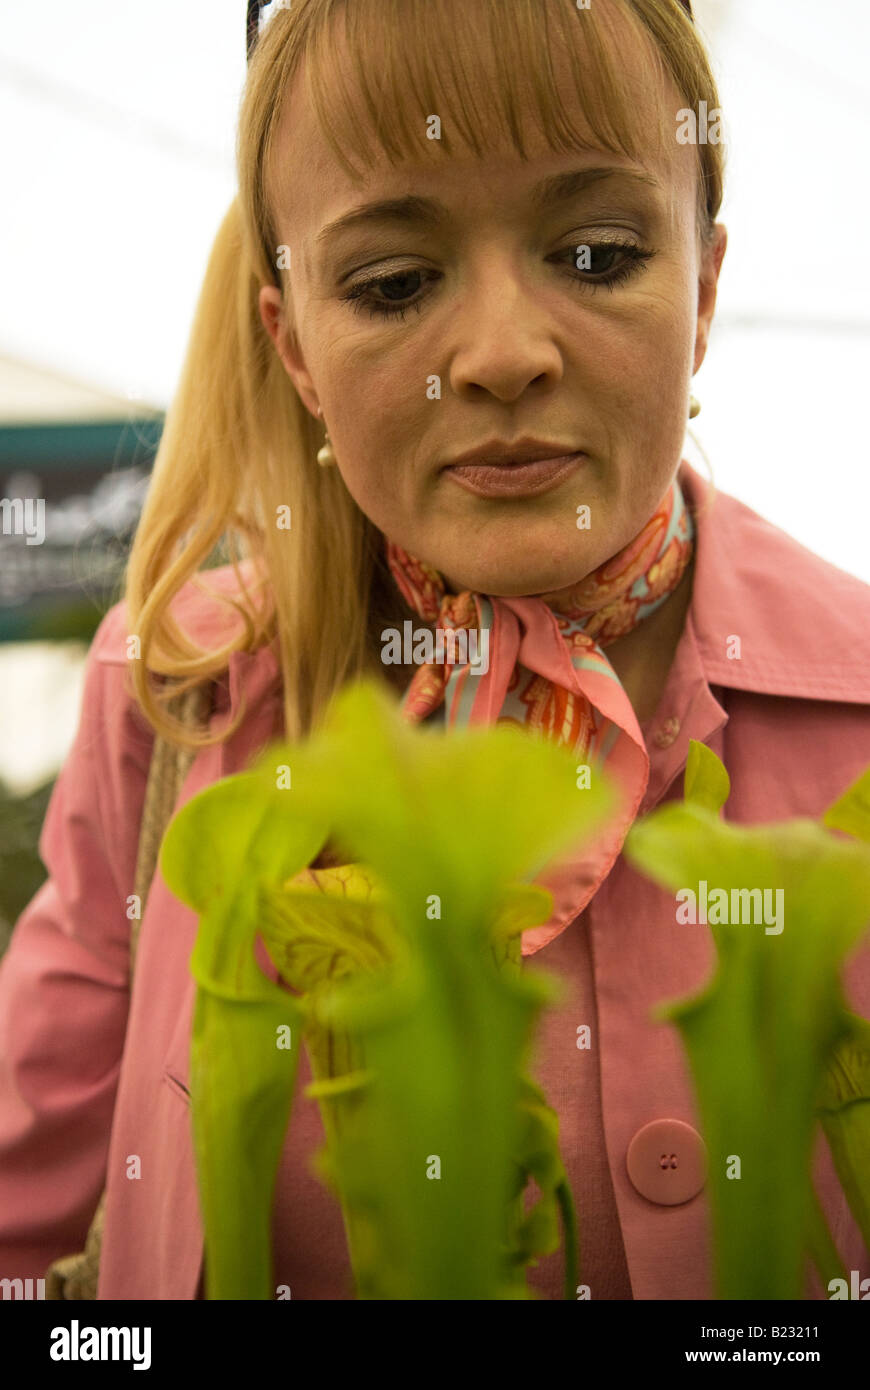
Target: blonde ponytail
column 238, row 449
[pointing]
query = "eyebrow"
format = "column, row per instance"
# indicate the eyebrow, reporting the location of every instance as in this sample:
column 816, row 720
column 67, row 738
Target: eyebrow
column 415, row 210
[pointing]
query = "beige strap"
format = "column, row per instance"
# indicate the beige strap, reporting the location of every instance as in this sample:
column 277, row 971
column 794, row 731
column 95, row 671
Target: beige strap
column 169, row 767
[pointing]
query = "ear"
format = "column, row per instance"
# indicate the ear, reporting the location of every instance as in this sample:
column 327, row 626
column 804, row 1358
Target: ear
column 286, row 344
column 711, row 264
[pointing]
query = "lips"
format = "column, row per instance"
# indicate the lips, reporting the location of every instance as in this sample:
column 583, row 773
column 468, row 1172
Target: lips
column 497, row 452
column 509, row 478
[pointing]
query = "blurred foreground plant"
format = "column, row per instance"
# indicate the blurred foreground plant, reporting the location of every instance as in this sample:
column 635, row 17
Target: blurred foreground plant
column 771, row 1045
column 409, row 993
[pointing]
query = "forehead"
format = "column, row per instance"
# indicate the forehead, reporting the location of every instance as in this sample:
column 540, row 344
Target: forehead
column 476, row 163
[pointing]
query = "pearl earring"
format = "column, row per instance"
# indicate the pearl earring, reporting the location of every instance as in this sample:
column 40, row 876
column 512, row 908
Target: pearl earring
column 325, row 454
column 694, row 407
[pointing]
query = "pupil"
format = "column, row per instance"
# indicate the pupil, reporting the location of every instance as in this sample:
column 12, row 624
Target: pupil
column 607, row 254
column 397, row 282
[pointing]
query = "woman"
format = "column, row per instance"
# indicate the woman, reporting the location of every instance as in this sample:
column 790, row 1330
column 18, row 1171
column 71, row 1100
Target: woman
column 460, row 230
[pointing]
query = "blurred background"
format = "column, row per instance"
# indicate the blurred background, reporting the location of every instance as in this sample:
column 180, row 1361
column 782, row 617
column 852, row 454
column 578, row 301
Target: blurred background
column 117, row 125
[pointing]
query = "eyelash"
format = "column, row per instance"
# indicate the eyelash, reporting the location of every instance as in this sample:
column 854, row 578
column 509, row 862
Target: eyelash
column 360, row 298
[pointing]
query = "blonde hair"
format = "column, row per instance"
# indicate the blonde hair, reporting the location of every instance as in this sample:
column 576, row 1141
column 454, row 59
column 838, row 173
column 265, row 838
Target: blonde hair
column 238, row 443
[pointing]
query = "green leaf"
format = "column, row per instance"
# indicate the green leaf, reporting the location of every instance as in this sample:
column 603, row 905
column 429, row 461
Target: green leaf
column 241, row 1082
column 844, row 1106
column 240, row 1116
column 852, row 811
column 539, row 1158
column 706, row 780
column 413, row 1005
column 759, row 1036
column 391, row 793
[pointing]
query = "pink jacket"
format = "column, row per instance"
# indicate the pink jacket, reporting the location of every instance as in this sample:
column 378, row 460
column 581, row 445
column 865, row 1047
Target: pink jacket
column 90, row 1075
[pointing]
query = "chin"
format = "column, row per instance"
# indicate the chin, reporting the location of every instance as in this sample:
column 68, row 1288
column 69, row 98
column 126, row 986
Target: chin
column 515, row 585
column 524, row 566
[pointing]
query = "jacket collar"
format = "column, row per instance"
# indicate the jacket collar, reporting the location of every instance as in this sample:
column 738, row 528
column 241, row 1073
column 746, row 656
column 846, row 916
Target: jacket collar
column 803, row 626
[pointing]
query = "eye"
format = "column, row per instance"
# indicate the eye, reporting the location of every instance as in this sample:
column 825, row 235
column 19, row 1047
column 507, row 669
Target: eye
column 394, row 287
column 397, row 288
column 630, row 261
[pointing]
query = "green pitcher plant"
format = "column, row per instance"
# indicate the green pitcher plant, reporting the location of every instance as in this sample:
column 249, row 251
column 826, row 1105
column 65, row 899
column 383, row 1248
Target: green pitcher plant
column 772, row 1048
column 399, row 969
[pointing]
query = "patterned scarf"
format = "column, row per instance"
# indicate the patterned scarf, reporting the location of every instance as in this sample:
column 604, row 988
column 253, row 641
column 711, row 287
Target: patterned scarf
column 547, row 672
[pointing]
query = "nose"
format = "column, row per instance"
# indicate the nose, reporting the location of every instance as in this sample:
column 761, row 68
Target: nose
column 501, row 339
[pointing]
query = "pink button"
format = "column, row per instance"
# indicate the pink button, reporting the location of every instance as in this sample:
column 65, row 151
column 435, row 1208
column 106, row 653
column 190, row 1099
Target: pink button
column 667, row 1162
column 668, row 732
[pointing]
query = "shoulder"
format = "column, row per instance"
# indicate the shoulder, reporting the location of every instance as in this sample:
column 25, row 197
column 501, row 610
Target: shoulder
column 198, row 607
column 98, row 797
column 802, row 624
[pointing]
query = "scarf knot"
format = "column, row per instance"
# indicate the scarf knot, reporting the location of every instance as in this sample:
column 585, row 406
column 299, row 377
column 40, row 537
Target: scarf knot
column 546, row 669
column 589, row 615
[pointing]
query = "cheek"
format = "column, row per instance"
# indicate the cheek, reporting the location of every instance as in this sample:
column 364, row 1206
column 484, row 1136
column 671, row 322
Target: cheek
column 363, row 374
column 375, row 429
column 370, row 412
column 373, row 437
column 640, row 363
column 656, row 328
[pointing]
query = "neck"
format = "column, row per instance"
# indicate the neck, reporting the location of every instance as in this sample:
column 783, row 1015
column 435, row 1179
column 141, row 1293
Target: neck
column 643, row 658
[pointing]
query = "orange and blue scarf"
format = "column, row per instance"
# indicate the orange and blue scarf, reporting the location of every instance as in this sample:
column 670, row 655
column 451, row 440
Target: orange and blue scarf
column 547, row 672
